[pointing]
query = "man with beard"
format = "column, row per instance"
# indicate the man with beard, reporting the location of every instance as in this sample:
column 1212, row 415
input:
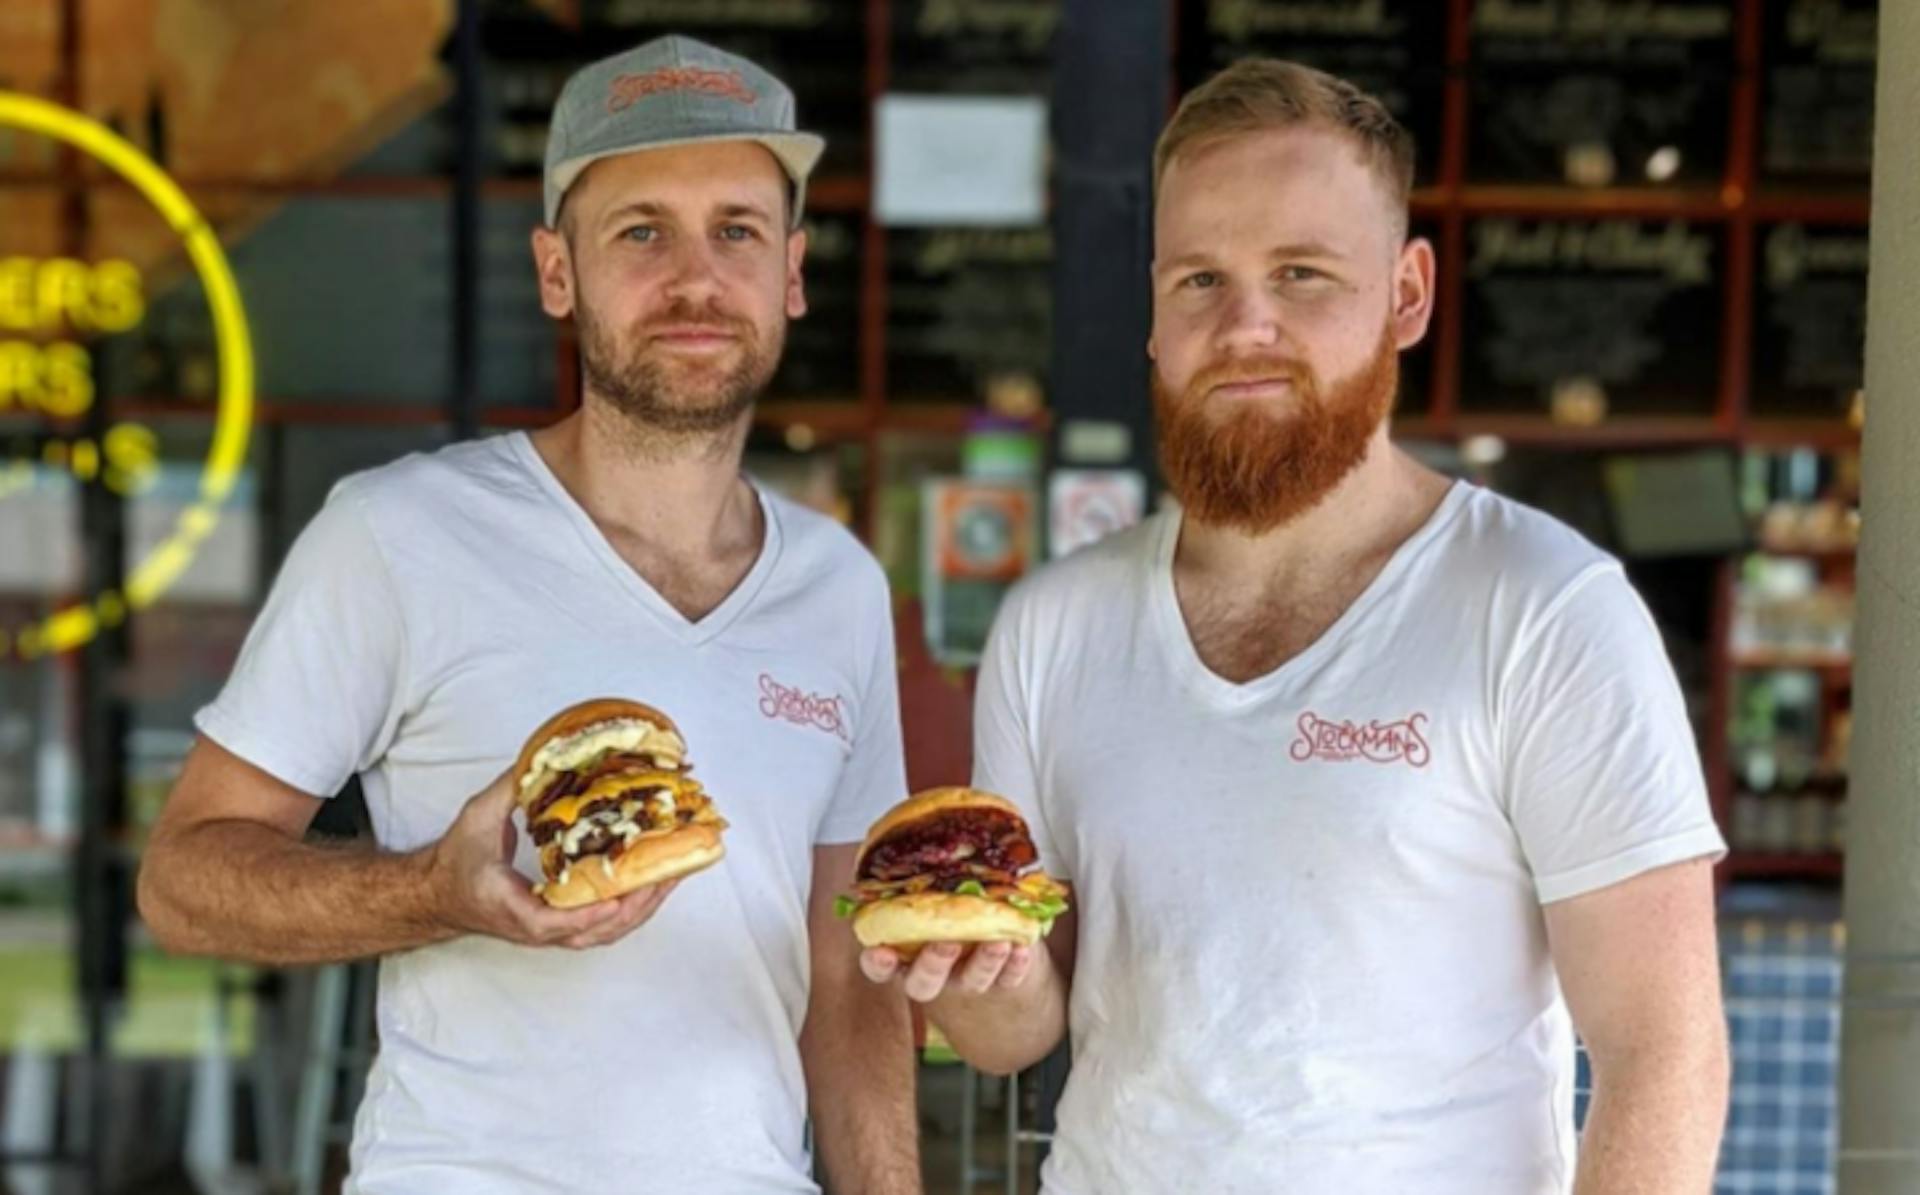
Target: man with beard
column 1374, row 788
column 439, row 609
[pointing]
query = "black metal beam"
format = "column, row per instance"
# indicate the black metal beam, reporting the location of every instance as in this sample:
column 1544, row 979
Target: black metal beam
column 463, row 403
column 102, row 888
column 100, row 871
column 1112, row 76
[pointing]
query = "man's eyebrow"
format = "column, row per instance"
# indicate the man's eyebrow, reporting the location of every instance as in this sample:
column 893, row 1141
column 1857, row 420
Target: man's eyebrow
column 734, row 211
column 1288, row 252
column 1184, row 261
column 1307, row 248
column 642, row 207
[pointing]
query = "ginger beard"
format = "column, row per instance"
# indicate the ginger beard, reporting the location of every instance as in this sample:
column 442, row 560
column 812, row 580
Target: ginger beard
column 652, row 387
column 1253, row 470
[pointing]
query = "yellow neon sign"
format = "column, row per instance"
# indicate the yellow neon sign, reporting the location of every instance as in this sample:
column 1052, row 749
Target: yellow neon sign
column 106, row 296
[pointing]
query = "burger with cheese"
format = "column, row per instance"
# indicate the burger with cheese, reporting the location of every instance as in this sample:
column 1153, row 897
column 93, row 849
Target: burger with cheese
column 950, row 865
column 611, row 803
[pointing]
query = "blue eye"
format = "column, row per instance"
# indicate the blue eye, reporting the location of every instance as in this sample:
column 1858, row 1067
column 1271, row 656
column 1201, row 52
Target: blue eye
column 1299, row 274
column 640, row 232
column 736, row 232
column 1203, row 280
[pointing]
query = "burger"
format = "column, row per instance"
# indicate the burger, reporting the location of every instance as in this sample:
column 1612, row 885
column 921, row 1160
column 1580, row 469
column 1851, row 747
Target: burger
column 950, row 865
column 611, row 803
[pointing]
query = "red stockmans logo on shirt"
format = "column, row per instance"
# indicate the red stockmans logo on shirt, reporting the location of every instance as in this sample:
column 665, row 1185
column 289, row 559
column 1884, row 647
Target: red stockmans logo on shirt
column 1374, row 742
column 804, row 709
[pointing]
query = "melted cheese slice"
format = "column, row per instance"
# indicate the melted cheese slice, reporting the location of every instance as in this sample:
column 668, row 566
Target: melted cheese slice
column 1040, row 886
column 567, row 809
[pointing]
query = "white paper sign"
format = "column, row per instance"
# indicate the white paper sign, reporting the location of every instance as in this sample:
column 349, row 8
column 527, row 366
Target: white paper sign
column 960, row 160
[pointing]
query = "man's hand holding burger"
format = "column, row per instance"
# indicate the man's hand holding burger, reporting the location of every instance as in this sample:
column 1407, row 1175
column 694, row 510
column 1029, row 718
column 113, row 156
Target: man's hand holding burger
column 958, row 969
column 612, row 805
column 946, row 906
column 480, row 892
column 1002, row 1006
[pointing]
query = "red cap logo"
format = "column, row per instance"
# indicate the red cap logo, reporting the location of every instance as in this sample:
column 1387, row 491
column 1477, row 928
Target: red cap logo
column 627, row 90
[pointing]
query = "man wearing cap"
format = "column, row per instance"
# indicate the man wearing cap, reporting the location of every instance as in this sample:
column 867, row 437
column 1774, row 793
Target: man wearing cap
column 440, row 608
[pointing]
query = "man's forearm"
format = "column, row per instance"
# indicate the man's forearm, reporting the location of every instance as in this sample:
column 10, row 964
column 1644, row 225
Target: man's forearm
column 1655, row 1124
column 857, row 1048
column 244, row 891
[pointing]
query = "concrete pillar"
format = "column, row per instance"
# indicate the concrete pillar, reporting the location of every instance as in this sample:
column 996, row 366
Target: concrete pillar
column 1880, row 1035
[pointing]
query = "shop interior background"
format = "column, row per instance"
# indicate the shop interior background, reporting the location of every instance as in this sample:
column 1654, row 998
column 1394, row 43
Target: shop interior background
column 1652, row 235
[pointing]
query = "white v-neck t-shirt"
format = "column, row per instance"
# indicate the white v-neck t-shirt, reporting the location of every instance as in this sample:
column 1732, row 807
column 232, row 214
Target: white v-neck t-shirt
column 1312, row 956
column 432, row 615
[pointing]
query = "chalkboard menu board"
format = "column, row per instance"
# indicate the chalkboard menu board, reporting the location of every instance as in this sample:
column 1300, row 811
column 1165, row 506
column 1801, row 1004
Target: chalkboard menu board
column 965, row 305
column 823, row 358
column 1817, row 90
column 518, row 366
column 1625, row 312
column 1600, row 92
column 986, row 47
column 1810, row 319
column 1393, row 49
column 817, row 47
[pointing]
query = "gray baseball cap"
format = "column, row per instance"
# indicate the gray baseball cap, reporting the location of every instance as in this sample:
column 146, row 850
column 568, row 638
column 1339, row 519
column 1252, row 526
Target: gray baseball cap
column 672, row 91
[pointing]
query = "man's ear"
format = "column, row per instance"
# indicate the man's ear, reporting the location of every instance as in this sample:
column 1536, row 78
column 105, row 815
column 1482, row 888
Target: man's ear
column 796, row 287
column 1413, row 290
column 553, row 265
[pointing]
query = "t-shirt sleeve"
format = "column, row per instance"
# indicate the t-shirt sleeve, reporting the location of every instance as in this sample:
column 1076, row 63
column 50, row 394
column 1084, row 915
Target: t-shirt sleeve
column 1603, row 777
column 317, row 690
column 875, row 778
column 1003, row 755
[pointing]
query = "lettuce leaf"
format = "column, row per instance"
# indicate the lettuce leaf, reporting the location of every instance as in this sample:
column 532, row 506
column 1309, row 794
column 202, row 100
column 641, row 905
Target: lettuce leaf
column 1043, row 911
column 845, row 907
column 971, row 888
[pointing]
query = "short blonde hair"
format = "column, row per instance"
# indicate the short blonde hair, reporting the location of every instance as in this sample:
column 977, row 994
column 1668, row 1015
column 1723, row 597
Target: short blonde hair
column 1257, row 94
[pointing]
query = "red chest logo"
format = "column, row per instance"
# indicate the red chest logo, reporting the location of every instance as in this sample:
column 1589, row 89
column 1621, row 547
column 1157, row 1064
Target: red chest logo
column 779, row 702
column 1372, row 742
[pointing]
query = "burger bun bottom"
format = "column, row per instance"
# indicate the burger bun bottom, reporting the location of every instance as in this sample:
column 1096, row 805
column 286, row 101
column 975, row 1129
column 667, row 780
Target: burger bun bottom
column 906, row 923
column 648, row 861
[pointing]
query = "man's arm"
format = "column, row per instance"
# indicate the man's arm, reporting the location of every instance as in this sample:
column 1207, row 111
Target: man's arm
column 1002, row 1007
column 1006, row 1006
column 857, row 1047
column 226, row 873
column 1640, row 968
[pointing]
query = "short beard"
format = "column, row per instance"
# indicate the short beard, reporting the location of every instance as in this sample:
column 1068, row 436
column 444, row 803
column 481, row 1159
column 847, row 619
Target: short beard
column 656, row 395
column 1252, row 471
